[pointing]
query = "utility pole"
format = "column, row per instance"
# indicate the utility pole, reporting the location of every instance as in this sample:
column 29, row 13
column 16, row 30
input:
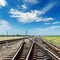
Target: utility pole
column 7, row 34
column 6, row 43
column 26, row 32
column 14, row 34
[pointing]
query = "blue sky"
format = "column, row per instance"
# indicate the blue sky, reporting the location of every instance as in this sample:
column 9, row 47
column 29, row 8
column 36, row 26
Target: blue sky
column 39, row 17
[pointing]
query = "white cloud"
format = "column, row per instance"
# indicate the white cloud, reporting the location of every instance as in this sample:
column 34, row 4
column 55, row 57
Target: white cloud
column 26, row 17
column 50, row 28
column 3, row 3
column 4, row 25
column 49, row 6
column 24, row 6
column 44, row 19
column 31, row 1
column 33, row 15
column 57, row 22
column 45, row 30
column 48, row 23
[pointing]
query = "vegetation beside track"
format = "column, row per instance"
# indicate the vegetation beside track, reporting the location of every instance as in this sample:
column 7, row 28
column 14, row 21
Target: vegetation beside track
column 7, row 38
column 53, row 39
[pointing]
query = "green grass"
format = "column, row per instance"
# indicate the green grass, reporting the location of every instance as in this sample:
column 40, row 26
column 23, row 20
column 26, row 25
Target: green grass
column 7, row 38
column 53, row 39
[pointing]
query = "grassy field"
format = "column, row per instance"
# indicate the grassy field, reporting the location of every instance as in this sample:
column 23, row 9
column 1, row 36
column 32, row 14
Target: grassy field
column 53, row 39
column 7, row 38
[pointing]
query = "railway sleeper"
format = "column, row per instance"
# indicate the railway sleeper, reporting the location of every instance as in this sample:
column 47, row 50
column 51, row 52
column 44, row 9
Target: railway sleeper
column 7, row 59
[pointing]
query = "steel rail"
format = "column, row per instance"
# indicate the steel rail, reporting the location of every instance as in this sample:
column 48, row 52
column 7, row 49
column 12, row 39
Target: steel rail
column 10, row 40
column 16, row 56
column 29, row 52
column 51, row 45
column 46, row 50
column 18, row 50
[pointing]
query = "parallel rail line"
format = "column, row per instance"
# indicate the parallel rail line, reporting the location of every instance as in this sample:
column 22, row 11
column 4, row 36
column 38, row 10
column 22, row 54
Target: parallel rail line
column 47, row 50
column 34, row 51
column 11, row 40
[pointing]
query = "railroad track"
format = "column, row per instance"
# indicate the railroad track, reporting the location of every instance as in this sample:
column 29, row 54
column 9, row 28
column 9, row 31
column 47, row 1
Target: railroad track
column 12, row 40
column 8, row 47
column 50, row 48
column 21, row 53
column 31, row 52
column 38, row 53
column 14, row 53
column 34, row 49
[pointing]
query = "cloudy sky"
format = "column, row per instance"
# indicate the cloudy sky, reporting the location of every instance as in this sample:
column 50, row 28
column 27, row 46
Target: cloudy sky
column 39, row 17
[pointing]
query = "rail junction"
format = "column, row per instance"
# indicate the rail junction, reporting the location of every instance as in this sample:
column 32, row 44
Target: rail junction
column 31, row 48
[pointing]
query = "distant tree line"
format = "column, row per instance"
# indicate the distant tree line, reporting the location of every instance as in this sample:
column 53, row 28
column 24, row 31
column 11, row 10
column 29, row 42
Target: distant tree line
column 14, row 35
